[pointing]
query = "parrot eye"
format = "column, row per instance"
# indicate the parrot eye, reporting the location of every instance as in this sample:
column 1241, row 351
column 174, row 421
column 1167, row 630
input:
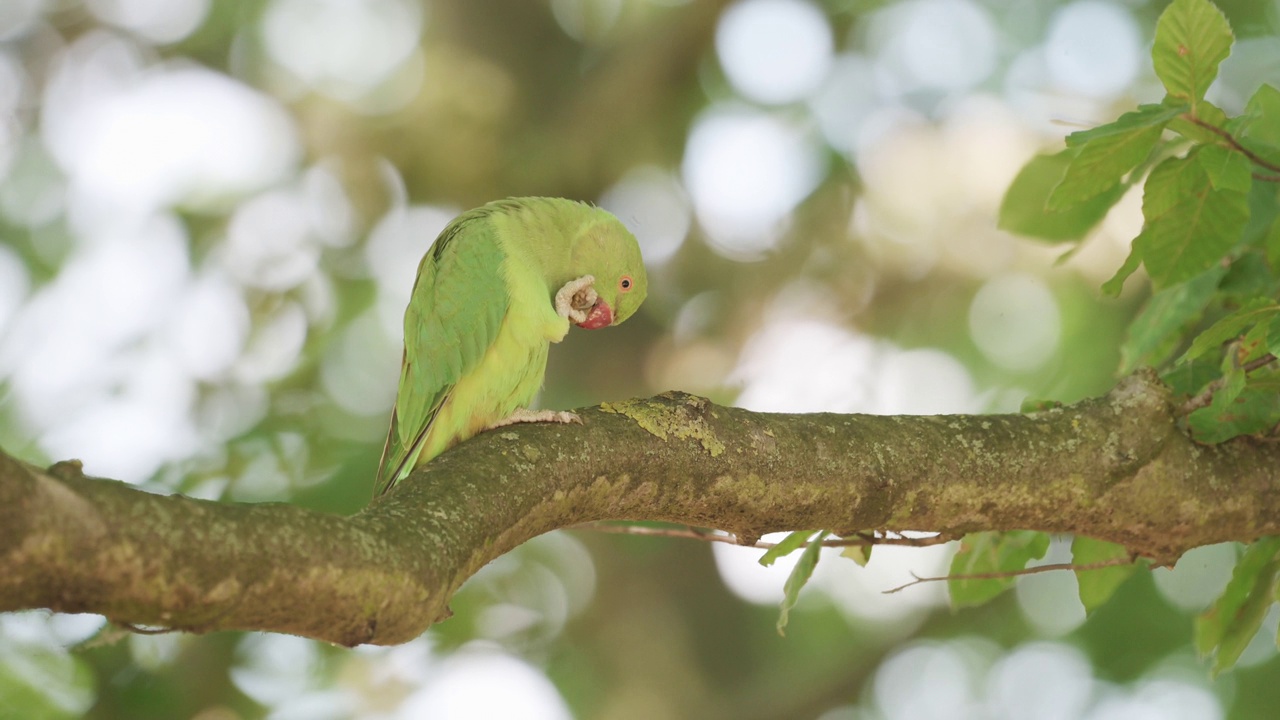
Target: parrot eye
column 625, row 283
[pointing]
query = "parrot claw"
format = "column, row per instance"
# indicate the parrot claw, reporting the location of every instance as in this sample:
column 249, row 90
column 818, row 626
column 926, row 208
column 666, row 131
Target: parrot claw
column 575, row 299
column 525, row 415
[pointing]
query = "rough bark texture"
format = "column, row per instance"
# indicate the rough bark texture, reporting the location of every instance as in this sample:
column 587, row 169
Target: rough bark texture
column 1116, row 467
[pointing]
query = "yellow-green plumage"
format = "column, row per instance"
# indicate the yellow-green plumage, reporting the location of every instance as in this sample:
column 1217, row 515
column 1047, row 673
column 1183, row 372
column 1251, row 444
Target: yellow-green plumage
column 483, row 313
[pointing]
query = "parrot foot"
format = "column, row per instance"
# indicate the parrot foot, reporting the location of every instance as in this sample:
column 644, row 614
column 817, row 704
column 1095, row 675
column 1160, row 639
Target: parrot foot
column 525, row 415
column 574, row 300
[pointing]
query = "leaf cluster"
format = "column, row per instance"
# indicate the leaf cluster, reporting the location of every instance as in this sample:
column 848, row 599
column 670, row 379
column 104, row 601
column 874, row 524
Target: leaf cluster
column 1210, row 243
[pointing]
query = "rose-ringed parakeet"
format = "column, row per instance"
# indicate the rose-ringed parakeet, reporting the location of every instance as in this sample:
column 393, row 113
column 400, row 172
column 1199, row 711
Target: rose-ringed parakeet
column 499, row 284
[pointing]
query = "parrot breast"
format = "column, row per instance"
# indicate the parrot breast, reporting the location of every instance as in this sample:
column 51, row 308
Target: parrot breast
column 506, row 378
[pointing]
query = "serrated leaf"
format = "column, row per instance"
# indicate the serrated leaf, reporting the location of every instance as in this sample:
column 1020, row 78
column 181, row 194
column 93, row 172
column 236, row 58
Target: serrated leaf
column 1025, row 210
column 1189, row 225
column 1146, row 116
column 1211, row 624
column 1097, row 586
column 1233, row 619
column 792, row 542
column 1163, row 317
column 1113, row 286
column 1249, row 620
column 799, row 576
column 1238, row 408
column 1192, row 38
column 1256, row 311
column 1104, row 160
column 986, row 553
column 1227, row 169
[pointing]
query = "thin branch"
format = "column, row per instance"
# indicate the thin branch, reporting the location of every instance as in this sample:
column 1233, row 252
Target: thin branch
column 701, row 534
column 1114, row 562
column 1231, row 140
column 865, row 540
column 1205, row 397
column 684, row 533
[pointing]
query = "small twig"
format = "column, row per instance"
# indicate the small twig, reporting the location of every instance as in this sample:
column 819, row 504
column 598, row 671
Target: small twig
column 867, row 539
column 1266, row 178
column 686, row 533
column 691, row 533
column 1204, row 397
column 1013, row 573
column 1231, row 140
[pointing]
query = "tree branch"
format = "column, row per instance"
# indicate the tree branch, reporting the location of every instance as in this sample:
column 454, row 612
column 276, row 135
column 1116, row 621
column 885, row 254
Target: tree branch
column 1116, row 468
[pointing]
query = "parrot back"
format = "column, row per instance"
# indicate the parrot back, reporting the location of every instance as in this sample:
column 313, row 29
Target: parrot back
column 458, row 304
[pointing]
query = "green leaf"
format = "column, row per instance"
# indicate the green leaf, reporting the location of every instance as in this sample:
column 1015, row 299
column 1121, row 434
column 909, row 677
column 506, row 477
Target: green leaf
column 1155, row 331
column 1253, row 345
column 1257, row 311
column 1189, row 225
column 1249, row 277
column 1235, row 383
column 1109, row 152
column 1240, row 407
column 1025, row 210
column 792, row 542
column 1227, row 169
column 1146, row 116
column 49, row 683
column 1272, row 243
column 1233, row 619
column 1113, row 286
column 1189, row 378
column 800, row 575
column 1273, row 336
column 1034, row 405
column 1193, row 128
column 985, row 553
column 1259, row 124
column 860, row 554
column 1097, row 586
column 1192, row 38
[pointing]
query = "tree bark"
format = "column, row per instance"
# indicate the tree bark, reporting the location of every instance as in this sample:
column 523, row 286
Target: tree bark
column 1117, row 468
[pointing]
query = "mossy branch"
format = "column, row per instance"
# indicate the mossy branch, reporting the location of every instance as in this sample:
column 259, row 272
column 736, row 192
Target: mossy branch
column 1116, row 468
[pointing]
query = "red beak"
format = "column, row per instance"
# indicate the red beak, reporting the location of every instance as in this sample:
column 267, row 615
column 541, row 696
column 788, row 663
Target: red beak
column 599, row 316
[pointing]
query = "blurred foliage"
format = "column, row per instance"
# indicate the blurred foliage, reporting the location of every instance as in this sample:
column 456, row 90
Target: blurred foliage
column 1211, row 196
column 887, row 259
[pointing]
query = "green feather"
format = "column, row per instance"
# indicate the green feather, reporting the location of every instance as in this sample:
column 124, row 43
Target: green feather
column 482, row 315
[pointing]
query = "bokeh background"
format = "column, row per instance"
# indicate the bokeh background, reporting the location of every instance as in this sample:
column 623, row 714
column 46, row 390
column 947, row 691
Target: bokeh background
column 210, row 216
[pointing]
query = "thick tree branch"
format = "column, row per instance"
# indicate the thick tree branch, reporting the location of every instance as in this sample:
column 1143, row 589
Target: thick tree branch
column 1116, row 467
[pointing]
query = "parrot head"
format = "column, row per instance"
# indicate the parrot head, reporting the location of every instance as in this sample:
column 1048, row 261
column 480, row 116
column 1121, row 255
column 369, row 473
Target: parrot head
column 610, row 253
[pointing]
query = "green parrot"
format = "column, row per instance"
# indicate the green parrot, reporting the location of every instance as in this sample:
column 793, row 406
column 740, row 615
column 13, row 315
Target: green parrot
column 500, row 284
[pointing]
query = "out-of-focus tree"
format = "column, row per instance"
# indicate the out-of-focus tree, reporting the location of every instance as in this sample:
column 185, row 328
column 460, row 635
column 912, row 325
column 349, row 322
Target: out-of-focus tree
column 210, row 213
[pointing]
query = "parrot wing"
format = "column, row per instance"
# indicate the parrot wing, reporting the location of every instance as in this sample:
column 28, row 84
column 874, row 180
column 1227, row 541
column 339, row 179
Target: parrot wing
column 459, row 301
